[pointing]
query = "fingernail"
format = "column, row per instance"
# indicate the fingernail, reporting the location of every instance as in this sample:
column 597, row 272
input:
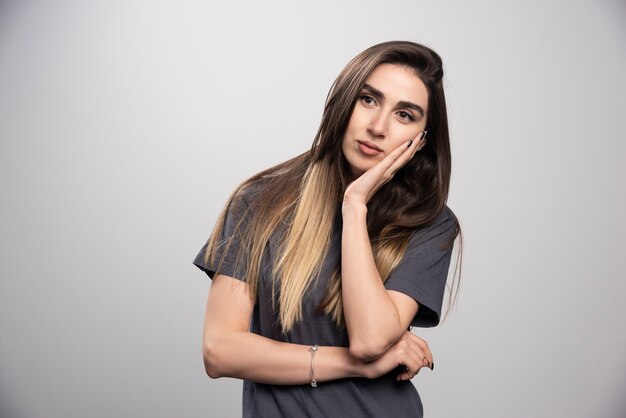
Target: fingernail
column 432, row 366
column 409, row 144
column 424, row 135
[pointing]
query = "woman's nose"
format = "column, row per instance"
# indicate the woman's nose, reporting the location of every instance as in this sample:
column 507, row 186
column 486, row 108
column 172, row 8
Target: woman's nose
column 377, row 126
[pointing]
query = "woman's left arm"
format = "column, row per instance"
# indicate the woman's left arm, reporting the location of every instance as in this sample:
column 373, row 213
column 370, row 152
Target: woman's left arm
column 376, row 318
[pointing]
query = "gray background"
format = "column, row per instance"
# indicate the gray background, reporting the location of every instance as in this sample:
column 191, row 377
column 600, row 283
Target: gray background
column 125, row 124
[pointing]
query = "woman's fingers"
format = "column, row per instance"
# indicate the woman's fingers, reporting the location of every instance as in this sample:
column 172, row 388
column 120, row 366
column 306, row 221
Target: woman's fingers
column 401, row 155
column 363, row 188
column 412, row 363
column 404, row 157
column 411, row 352
column 423, row 346
column 410, row 356
column 406, row 151
column 394, row 158
column 416, row 354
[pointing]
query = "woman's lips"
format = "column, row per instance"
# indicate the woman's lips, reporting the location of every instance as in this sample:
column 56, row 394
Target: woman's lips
column 369, row 148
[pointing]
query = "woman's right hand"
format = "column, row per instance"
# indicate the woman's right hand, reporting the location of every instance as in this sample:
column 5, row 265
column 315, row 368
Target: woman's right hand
column 410, row 351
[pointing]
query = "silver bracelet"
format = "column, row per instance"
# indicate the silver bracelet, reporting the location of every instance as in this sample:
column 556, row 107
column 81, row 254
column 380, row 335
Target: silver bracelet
column 313, row 349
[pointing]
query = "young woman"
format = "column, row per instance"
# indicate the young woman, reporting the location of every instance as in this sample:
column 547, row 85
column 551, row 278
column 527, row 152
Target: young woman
column 321, row 264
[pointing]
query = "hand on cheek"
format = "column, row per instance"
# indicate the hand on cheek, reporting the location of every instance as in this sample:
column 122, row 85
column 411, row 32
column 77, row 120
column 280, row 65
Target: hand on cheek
column 363, row 188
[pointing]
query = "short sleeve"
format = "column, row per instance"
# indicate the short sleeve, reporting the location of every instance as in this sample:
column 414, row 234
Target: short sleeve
column 423, row 271
column 228, row 245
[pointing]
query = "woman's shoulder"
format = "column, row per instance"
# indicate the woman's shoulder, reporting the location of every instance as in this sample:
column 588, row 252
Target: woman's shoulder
column 254, row 192
column 247, row 192
column 444, row 227
column 269, row 185
column 446, row 215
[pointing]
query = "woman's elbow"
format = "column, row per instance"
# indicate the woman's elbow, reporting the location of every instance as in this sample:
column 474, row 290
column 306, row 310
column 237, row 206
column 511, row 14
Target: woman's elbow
column 211, row 356
column 367, row 352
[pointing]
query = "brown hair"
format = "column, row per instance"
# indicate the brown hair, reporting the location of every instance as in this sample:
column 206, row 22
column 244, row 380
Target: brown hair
column 296, row 193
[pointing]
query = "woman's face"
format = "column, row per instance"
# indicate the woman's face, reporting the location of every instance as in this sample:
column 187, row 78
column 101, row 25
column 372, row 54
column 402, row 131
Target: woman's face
column 391, row 109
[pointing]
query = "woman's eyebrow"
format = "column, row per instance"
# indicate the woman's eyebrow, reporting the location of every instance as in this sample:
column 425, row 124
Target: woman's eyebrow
column 374, row 91
column 410, row 105
column 381, row 96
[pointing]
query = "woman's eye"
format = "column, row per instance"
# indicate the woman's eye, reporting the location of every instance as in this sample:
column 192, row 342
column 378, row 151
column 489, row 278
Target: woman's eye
column 367, row 99
column 405, row 115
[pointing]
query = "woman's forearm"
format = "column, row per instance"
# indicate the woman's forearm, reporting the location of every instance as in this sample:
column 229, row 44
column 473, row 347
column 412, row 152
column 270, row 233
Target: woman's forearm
column 245, row 355
column 371, row 315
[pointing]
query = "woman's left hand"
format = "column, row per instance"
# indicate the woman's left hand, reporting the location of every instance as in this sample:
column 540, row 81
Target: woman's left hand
column 409, row 351
column 361, row 190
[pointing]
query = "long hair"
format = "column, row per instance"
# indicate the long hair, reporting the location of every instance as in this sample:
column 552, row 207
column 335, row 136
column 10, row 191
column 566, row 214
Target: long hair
column 302, row 196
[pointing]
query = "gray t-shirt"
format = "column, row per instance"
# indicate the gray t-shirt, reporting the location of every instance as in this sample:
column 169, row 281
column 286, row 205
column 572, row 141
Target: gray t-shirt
column 421, row 274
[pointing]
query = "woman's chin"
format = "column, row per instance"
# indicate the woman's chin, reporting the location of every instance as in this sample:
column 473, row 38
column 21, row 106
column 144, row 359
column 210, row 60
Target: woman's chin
column 356, row 172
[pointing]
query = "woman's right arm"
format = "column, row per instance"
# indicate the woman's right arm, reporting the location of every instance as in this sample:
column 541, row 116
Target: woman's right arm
column 230, row 350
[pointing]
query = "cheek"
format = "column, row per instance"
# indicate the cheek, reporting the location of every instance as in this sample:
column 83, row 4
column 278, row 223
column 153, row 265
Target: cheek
column 357, row 118
column 343, row 146
column 351, row 130
column 344, row 143
column 405, row 133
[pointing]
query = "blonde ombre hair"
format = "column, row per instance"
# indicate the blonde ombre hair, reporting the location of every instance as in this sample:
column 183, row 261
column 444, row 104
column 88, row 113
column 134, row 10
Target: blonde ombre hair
column 301, row 197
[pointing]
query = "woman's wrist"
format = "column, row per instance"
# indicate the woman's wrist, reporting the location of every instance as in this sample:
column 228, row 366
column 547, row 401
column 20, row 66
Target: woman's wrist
column 336, row 363
column 356, row 367
column 353, row 208
column 362, row 368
